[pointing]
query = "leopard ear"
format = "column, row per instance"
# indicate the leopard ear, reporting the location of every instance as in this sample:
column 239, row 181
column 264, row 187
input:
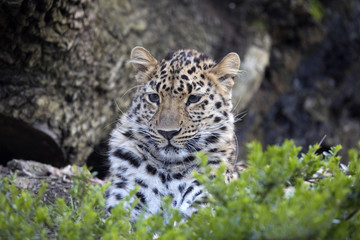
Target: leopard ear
column 226, row 70
column 142, row 59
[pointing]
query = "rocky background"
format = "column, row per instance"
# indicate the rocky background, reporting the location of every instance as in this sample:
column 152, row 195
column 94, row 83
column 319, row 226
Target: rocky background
column 64, row 77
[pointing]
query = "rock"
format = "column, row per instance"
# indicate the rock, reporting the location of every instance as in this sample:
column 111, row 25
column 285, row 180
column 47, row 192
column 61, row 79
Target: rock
column 31, row 175
column 253, row 67
column 311, row 86
column 63, row 64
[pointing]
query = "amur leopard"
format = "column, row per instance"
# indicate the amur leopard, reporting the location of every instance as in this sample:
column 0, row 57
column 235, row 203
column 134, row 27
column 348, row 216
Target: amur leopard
column 182, row 106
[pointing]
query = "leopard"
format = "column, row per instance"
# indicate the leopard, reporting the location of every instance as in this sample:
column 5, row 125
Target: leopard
column 182, row 106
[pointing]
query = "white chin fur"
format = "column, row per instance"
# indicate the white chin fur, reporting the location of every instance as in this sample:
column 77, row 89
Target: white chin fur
column 172, row 156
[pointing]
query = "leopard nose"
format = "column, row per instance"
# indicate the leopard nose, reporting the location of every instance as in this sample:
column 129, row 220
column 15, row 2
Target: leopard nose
column 169, row 134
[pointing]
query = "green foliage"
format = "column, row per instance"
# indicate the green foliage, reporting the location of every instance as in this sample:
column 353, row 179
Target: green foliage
column 281, row 195
column 316, row 9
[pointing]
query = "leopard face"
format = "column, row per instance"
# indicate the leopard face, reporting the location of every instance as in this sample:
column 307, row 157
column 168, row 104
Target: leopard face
column 183, row 103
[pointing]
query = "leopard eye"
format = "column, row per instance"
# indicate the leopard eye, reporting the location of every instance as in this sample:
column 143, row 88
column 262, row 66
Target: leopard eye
column 154, row 98
column 193, row 99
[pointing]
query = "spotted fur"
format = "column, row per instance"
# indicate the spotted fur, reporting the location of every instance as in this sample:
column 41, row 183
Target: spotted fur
column 182, row 106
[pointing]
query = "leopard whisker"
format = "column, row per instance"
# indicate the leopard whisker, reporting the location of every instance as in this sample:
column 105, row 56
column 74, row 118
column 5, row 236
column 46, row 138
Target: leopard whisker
column 240, row 116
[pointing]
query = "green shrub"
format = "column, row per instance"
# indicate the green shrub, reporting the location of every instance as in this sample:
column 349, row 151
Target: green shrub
column 281, row 195
column 316, row 9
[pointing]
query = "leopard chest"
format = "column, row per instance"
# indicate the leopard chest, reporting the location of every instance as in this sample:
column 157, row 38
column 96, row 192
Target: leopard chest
column 130, row 170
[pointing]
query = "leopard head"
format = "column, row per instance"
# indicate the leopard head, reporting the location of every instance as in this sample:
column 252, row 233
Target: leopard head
column 183, row 102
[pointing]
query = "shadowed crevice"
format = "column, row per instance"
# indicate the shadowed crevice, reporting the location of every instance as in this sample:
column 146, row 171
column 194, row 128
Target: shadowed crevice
column 21, row 141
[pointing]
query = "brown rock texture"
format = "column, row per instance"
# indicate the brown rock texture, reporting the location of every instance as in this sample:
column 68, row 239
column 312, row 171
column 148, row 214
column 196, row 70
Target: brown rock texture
column 63, row 64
